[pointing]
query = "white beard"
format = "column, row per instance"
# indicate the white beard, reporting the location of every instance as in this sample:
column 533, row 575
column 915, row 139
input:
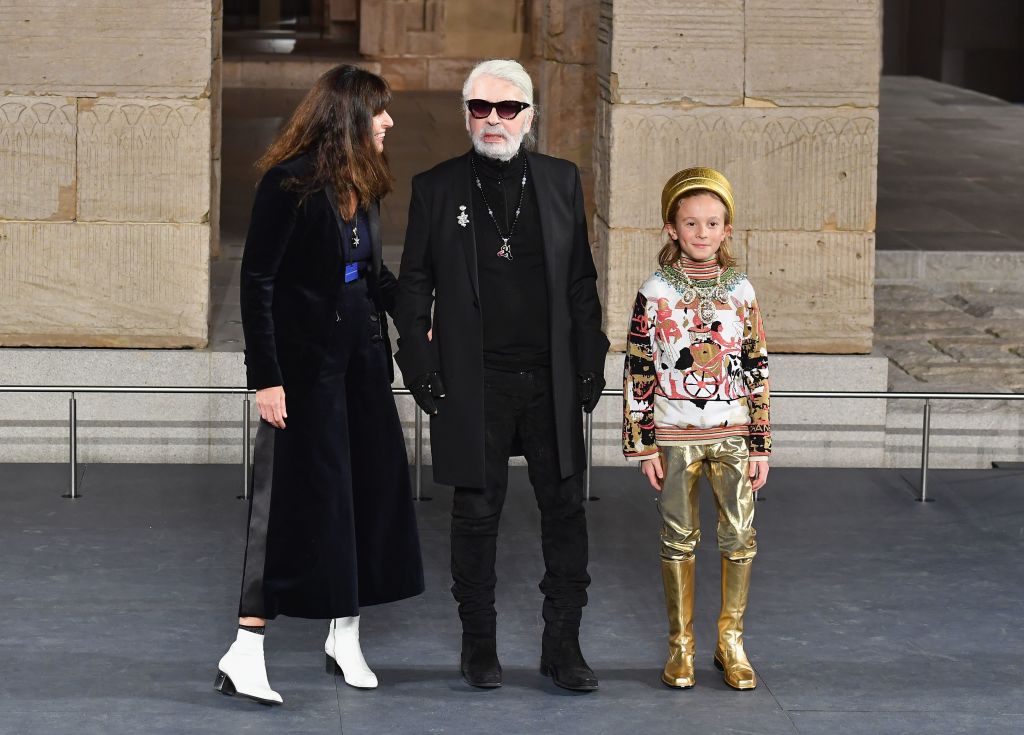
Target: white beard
column 503, row 151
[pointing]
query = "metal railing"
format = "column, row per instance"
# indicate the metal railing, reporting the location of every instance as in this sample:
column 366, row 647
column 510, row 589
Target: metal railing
column 74, row 390
column 418, row 422
column 878, row 395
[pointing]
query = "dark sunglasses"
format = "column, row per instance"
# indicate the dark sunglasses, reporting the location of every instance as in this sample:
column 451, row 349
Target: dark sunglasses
column 507, row 109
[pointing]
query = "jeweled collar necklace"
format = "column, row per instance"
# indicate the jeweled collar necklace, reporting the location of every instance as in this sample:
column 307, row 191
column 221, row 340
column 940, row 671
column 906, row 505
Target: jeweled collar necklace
column 685, row 276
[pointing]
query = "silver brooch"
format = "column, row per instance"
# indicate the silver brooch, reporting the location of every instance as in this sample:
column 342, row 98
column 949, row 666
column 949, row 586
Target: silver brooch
column 463, row 218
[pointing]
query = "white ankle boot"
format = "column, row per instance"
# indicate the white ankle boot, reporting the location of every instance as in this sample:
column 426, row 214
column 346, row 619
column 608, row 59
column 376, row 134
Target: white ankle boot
column 345, row 655
column 243, row 671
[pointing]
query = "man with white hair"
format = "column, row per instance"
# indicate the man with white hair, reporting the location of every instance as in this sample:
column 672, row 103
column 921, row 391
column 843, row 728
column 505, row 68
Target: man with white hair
column 501, row 343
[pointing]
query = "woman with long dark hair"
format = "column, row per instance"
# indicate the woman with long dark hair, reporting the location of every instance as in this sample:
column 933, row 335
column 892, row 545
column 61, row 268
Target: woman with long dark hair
column 331, row 523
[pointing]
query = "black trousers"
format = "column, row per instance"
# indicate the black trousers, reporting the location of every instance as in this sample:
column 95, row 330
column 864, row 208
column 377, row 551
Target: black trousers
column 519, row 410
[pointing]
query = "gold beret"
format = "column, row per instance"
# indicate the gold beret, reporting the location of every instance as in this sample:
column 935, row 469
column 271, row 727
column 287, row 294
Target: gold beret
column 695, row 179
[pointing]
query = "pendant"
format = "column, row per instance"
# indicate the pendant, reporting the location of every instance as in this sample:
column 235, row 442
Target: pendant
column 707, row 310
column 463, row 218
column 505, row 251
column 355, row 238
column 689, row 295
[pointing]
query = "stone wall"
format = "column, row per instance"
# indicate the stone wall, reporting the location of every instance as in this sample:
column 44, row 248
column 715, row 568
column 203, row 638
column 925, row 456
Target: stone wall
column 432, row 44
column 780, row 95
column 216, row 120
column 564, row 45
column 106, row 185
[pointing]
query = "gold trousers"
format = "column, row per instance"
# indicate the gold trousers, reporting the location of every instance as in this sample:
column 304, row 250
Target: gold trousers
column 726, row 464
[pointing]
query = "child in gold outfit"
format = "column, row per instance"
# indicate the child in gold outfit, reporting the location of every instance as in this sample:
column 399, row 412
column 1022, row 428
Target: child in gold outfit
column 696, row 402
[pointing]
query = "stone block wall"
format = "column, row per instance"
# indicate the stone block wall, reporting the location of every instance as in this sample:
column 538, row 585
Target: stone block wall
column 432, row 44
column 780, row 95
column 402, row 27
column 216, row 120
column 564, row 45
column 107, row 119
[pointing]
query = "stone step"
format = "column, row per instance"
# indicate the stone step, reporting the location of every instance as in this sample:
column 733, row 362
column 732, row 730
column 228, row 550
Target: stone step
column 949, row 271
column 963, row 434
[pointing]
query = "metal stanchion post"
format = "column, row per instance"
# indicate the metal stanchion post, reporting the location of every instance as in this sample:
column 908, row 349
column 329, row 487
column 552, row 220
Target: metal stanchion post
column 72, row 492
column 418, row 455
column 590, row 455
column 246, row 443
column 925, row 440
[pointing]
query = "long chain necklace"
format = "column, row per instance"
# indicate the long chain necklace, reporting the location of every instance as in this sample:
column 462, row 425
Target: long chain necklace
column 707, row 295
column 504, row 251
column 355, row 227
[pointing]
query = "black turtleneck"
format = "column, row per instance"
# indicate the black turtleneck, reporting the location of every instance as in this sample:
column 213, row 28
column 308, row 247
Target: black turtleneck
column 513, row 293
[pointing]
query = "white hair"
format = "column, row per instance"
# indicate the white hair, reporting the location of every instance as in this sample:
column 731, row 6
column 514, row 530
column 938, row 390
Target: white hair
column 507, row 69
column 512, row 72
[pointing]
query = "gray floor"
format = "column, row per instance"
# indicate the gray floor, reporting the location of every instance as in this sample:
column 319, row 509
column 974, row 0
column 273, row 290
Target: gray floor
column 949, row 169
column 870, row 613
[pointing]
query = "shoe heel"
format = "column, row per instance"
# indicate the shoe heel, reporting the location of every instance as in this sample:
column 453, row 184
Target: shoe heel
column 331, row 666
column 224, row 685
column 718, row 664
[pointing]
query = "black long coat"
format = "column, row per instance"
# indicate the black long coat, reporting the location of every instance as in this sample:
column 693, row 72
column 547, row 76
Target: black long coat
column 331, row 523
column 439, row 272
column 292, row 269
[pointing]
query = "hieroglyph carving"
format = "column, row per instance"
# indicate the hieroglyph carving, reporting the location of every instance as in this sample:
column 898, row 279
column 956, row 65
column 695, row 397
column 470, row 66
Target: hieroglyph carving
column 37, row 158
column 791, row 169
column 144, row 160
column 111, row 285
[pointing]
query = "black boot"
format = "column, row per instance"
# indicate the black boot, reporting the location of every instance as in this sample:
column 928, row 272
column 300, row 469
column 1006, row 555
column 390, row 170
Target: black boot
column 562, row 660
column 480, row 666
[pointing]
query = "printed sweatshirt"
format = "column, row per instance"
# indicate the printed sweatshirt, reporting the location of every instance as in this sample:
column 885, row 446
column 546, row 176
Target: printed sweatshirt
column 688, row 381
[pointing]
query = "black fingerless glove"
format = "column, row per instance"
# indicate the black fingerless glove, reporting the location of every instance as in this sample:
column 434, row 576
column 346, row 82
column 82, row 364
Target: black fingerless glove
column 590, row 387
column 426, row 389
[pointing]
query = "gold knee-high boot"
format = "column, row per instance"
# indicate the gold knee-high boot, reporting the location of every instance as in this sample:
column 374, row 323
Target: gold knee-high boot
column 678, row 579
column 730, row 657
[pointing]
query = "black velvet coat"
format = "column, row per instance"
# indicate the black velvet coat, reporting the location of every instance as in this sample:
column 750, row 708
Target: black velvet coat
column 439, row 272
column 331, row 521
column 292, row 268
